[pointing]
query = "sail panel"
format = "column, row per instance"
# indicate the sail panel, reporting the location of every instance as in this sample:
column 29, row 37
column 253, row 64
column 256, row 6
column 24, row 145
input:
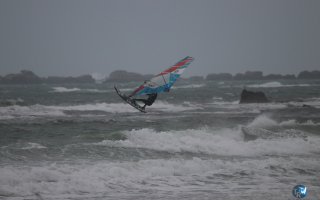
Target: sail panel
column 164, row 81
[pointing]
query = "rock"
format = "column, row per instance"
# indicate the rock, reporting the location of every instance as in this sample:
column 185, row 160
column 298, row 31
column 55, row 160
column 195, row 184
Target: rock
column 307, row 106
column 253, row 97
column 196, row 78
column 221, row 76
column 67, row 80
column 309, row 75
column 28, row 77
column 24, row 77
column 249, row 75
column 124, row 76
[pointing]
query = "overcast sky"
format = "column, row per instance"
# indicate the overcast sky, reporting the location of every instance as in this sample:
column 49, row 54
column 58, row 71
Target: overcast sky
column 76, row 37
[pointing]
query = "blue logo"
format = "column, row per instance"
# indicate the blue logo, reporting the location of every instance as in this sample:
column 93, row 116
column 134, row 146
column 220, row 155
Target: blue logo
column 299, row 191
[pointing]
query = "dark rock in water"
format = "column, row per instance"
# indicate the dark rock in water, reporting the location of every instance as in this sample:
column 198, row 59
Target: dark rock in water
column 307, row 106
column 253, row 97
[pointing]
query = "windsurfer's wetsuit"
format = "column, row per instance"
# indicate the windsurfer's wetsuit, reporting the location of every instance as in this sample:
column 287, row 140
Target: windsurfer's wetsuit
column 149, row 101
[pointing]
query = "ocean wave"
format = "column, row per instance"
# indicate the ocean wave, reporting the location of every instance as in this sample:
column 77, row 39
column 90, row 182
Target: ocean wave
column 265, row 121
column 10, row 112
column 63, row 89
column 34, row 110
column 276, row 84
column 310, row 102
column 11, row 102
column 168, row 107
column 189, row 86
column 226, row 142
column 122, row 180
column 234, row 106
column 32, row 145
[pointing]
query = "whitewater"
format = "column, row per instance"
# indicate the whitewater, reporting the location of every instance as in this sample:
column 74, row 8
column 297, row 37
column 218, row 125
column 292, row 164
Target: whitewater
column 83, row 142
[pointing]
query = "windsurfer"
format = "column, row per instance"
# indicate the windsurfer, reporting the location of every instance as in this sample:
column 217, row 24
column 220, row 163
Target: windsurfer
column 149, row 101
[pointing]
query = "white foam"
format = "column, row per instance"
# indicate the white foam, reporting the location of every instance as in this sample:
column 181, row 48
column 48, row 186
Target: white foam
column 276, row 84
column 235, row 107
column 167, row 107
column 32, row 145
column 127, row 89
column 121, row 180
column 217, row 98
column 264, row 121
column 63, row 90
column 310, row 123
column 227, row 142
column 189, row 86
column 98, row 77
column 290, row 122
column 293, row 122
column 34, row 110
column 313, row 102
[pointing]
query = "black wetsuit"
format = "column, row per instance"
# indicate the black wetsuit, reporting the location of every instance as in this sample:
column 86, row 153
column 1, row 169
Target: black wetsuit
column 149, row 101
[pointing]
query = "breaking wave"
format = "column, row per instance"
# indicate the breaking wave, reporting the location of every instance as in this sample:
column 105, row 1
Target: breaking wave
column 276, row 84
column 264, row 121
column 63, row 89
column 168, row 107
column 32, row 145
column 189, row 86
column 122, row 180
column 225, row 142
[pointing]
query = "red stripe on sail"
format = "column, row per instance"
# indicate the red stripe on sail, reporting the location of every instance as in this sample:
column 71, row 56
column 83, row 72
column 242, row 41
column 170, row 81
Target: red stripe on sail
column 176, row 66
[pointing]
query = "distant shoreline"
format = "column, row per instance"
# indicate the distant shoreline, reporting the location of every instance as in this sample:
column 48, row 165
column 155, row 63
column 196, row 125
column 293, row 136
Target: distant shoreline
column 28, row 77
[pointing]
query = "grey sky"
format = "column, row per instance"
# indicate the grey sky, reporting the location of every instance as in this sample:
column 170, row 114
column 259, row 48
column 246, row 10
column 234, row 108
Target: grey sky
column 77, row 37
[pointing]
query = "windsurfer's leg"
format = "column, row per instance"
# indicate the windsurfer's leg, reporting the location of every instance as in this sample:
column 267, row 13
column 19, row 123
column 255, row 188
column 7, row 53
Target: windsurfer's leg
column 142, row 100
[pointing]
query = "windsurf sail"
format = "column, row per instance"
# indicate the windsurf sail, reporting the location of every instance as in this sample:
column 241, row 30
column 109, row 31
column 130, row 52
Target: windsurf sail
column 163, row 81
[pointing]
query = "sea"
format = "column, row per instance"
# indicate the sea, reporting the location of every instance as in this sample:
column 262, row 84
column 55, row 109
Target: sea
column 82, row 141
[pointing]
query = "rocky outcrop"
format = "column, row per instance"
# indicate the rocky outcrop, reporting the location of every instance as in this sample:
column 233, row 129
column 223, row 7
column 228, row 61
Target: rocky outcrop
column 279, row 76
column 253, row 97
column 24, row 77
column 28, row 77
column 309, row 75
column 68, row 80
column 196, row 78
column 221, row 76
column 249, row 75
column 124, row 76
